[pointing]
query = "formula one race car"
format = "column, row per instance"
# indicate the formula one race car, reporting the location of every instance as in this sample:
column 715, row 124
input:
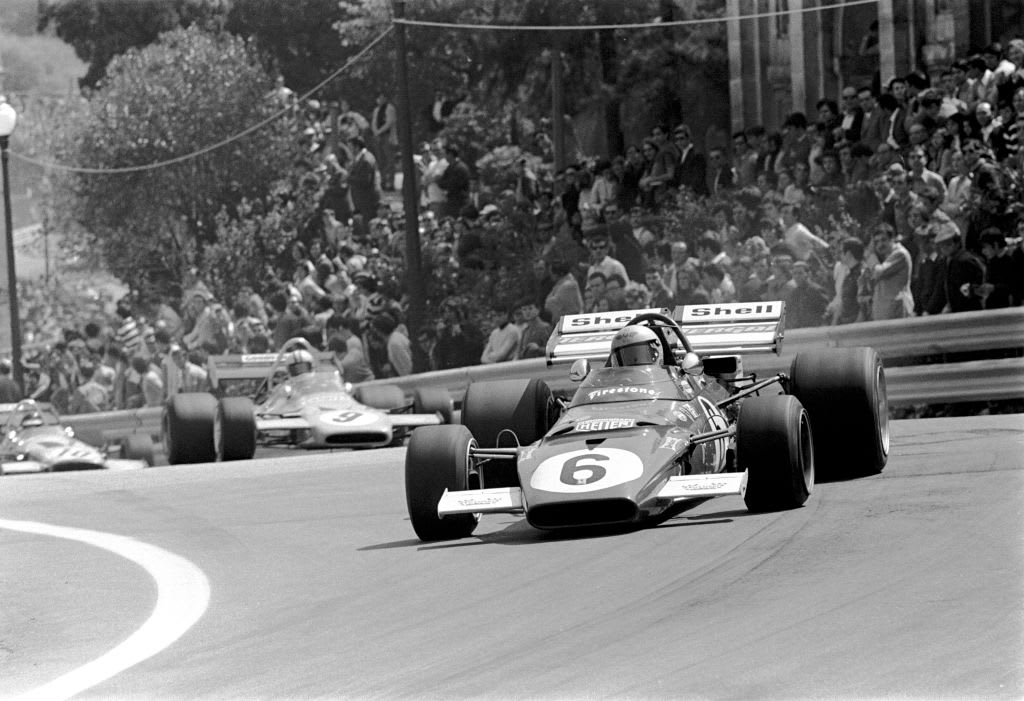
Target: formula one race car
column 35, row 440
column 667, row 420
column 302, row 402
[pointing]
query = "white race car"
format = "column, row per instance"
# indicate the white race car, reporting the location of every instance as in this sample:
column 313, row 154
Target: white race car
column 301, row 402
column 35, row 440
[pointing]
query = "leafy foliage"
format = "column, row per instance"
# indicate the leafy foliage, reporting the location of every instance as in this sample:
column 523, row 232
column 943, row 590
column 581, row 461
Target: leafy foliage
column 102, row 29
column 191, row 89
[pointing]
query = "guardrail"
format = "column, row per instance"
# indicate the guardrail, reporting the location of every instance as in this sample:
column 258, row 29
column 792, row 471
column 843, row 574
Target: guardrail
column 982, row 380
column 894, row 341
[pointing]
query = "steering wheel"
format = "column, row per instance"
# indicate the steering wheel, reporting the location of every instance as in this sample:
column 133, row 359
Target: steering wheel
column 646, row 318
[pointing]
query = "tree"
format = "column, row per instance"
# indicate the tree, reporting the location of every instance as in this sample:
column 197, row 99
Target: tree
column 101, row 29
column 188, row 91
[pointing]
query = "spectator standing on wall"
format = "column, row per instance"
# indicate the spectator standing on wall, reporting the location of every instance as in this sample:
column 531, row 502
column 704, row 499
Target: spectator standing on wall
column 965, row 273
column 503, row 343
column 807, row 301
column 535, row 331
column 927, row 282
column 455, row 182
column 10, row 391
column 347, row 347
column 891, row 298
column 364, row 181
column 565, row 297
column 384, row 123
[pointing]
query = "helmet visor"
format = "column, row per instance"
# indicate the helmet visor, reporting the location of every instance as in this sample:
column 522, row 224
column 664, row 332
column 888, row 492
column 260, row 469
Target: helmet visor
column 638, row 354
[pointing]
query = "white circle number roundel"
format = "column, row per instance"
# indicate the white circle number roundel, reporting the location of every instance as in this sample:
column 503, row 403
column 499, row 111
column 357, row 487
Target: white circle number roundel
column 587, row 471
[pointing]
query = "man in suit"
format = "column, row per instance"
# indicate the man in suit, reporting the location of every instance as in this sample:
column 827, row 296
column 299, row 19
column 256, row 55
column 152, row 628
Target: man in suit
column 875, row 127
column 384, row 124
column 853, row 115
column 721, row 176
column 692, row 168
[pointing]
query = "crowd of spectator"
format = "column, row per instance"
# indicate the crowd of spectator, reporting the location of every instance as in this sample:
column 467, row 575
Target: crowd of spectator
column 882, row 205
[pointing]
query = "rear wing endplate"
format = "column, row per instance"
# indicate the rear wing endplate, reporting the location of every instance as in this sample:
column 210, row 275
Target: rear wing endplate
column 250, row 366
column 712, row 329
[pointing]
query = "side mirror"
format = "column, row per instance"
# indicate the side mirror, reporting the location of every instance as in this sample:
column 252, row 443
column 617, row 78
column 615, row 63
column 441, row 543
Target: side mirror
column 579, row 370
column 692, row 364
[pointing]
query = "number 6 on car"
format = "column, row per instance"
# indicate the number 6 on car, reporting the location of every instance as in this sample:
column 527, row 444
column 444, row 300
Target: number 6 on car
column 664, row 418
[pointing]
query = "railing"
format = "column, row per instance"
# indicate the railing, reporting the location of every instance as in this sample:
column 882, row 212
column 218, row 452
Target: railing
column 896, row 341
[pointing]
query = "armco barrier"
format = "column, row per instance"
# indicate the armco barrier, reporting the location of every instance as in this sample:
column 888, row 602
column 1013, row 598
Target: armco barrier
column 906, row 338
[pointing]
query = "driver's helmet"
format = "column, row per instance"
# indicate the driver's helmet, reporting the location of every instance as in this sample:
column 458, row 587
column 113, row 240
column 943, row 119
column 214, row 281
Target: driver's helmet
column 635, row 345
column 300, row 362
column 31, row 420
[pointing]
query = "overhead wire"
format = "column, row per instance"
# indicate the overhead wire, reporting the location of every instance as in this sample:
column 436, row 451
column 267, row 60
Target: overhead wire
column 212, row 147
column 633, row 25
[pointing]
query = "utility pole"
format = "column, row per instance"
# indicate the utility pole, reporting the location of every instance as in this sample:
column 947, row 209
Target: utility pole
column 415, row 285
column 557, row 107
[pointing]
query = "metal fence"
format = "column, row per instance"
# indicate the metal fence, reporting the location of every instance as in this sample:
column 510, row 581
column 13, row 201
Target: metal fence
column 900, row 343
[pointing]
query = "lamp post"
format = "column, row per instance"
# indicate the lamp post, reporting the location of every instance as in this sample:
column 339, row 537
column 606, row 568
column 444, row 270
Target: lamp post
column 8, row 118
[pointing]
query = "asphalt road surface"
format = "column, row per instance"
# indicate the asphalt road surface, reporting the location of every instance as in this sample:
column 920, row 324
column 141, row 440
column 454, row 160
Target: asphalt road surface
column 300, row 577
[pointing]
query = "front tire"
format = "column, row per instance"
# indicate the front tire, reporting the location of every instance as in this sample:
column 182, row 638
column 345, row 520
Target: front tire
column 775, row 447
column 188, row 428
column 438, row 459
column 844, row 393
column 237, row 430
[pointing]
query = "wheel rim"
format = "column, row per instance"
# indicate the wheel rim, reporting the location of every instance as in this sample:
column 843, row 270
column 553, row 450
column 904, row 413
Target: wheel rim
column 218, row 437
column 882, row 408
column 469, row 461
column 806, row 452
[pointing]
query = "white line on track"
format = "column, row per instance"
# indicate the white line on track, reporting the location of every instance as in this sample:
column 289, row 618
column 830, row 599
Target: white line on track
column 183, row 593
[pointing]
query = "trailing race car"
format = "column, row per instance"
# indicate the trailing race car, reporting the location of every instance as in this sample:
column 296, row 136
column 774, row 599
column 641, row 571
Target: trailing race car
column 301, row 402
column 35, row 440
column 668, row 420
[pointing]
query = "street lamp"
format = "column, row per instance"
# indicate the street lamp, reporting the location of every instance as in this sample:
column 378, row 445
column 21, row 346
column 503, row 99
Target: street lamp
column 8, row 118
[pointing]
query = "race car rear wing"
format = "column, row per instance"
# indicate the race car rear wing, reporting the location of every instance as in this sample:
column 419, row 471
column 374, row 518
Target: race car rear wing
column 250, row 366
column 712, row 329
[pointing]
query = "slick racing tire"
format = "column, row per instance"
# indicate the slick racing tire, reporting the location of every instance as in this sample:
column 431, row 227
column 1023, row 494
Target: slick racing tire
column 430, row 400
column 775, row 447
column 843, row 390
column 385, row 397
column 438, row 459
column 524, row 407
column 236, row 430
column 139, row 446
column 188, row 428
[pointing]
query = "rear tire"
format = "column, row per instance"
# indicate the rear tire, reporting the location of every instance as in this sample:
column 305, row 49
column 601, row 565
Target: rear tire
column 430, row 400
column 526, row 407
column 188, row 428
column 437, row 459
column 237, row 430
column 139, row 446
column 384, row 397
column 843, row 391
column 774, row 445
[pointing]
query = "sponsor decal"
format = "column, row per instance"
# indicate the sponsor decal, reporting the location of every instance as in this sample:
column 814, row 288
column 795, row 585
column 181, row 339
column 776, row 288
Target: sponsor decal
column 727, row 329
column 740, row 310
column 478, row 501
column 604, row 424
column 622, row 390
column 673, row 444
column 583, row 471
column 707, row 486
column 605, row 320
column 599, row 338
